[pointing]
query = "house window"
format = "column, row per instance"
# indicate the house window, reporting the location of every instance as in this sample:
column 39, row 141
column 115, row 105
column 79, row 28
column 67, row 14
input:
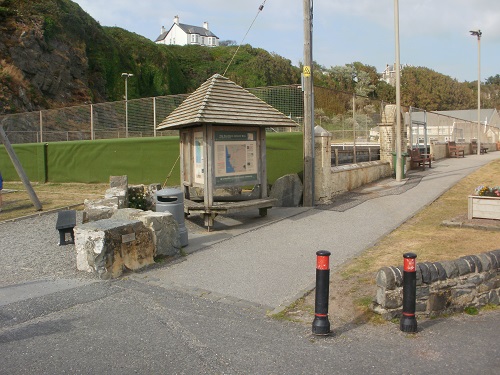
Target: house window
column 194, row 38
column 202, row 40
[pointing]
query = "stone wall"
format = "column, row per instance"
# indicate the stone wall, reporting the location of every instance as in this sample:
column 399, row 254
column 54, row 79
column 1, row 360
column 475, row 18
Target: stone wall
column 442, row 287
column 331, row 181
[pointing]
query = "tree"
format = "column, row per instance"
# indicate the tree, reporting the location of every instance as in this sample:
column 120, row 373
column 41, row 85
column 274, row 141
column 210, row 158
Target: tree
column 426, row 89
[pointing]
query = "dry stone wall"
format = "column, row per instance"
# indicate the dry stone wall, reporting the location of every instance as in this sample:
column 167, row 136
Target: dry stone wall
column 442, row 287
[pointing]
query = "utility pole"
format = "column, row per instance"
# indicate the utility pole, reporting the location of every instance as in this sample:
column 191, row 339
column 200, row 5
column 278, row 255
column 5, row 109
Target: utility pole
column 307, row 79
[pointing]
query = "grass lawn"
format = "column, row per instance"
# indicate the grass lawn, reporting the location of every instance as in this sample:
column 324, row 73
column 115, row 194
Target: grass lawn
column 16, row 201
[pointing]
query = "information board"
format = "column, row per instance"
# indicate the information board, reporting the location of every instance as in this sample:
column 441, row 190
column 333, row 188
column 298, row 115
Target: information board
column 235, row 158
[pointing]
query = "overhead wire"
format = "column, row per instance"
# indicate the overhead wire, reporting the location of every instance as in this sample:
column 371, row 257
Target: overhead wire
column 261, row 7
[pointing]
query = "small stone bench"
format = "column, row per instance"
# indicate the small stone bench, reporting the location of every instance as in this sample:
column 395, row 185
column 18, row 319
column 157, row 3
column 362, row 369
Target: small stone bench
column 66, row 221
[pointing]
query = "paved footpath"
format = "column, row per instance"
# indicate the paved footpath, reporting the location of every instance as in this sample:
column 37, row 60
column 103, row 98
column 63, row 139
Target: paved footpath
column 274, row 264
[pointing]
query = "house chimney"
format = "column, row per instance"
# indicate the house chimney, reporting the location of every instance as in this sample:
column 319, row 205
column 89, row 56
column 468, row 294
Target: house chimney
column 176, row 20
column 162, row 30
column 205, row 25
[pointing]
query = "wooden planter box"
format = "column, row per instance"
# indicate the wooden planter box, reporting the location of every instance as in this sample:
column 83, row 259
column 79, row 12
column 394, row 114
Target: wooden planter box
column 484, row 207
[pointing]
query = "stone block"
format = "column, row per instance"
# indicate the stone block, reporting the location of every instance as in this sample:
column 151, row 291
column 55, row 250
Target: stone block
column 472, row 263
column 99, row 209
column 398, row 271
column 426, row 274
column 450, row 268
column 126, row 213
column 441, row 271
column 433, row 272
column 118, row 181
column 150, row 191
column 463, row 266
column 108, row 247
column 439, row 300
column 422, row 292
column 287, row 190
column 386, row 278
column 120, row 193
column 477, row 262
column 163, row 227
column 495, row 258
column 390, row 299
column 494, row 297
column 485, row 262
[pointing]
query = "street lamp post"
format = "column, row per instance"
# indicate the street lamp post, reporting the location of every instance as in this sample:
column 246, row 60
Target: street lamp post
column 126, row 75
column 478, row 33
column 398, row 163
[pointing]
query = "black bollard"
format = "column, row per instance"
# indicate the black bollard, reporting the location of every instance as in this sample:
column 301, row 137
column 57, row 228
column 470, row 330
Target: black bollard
column 321, row 324
column 408, row 323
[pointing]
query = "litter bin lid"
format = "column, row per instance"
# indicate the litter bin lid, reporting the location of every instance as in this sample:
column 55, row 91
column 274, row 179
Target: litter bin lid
column 169, row 192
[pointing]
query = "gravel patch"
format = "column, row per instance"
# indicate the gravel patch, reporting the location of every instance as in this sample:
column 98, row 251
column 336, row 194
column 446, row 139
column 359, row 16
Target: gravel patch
column 29, row 250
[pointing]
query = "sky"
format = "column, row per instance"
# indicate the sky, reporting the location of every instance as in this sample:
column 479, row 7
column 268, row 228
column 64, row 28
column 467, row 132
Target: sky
column 433, row 33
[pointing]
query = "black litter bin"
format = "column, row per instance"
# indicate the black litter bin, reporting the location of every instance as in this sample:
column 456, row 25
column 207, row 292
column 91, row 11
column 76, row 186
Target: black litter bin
column 172, row 200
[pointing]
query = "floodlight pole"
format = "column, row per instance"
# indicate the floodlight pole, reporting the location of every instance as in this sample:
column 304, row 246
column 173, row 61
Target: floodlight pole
column 398, row 95
column 126, row 75
column 478, row 33
column 308, row 198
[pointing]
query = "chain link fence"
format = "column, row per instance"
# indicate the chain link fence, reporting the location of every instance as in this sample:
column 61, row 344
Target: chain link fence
column 350, row 118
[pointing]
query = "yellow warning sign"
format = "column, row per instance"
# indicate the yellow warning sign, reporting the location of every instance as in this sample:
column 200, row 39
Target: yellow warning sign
column 307, row 71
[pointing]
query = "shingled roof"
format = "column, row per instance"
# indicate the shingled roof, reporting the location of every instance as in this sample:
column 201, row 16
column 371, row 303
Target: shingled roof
column 220, row 101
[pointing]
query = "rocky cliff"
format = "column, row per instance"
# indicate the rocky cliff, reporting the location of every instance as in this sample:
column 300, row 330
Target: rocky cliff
column 41, row 66
column 53, row 54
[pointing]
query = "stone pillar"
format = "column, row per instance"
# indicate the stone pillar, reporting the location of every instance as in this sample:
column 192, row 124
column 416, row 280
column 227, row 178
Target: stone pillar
column 322, row 164
column 387, row 130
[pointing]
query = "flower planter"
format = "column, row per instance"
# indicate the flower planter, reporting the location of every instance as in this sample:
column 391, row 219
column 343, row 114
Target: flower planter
column 484, row 207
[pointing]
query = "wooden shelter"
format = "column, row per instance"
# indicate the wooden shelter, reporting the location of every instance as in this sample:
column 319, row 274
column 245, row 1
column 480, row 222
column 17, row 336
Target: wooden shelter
column 223, row 145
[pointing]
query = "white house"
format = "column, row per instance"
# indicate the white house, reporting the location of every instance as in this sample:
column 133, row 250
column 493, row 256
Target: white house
column 389, row 74
column 181, row 34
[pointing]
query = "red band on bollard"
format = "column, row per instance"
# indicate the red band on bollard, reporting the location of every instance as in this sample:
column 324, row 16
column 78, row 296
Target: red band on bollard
column 410, row 265
column 323, row 263
column 408, row 314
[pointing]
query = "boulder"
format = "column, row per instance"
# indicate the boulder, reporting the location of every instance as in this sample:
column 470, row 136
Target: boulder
column 99, row 209
column 118, row 182
column 287, row 190
column 163, row 227
column 120, row 193
column 108, row 247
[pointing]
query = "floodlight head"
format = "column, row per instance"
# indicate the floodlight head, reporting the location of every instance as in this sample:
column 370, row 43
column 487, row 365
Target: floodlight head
column 477, row 33
column 127, row 75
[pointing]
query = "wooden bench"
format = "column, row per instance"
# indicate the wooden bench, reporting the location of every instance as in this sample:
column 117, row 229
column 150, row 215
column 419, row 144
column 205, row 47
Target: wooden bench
column 454, row 150
column 482, row 150
column 66, row 221
column 418, row 159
